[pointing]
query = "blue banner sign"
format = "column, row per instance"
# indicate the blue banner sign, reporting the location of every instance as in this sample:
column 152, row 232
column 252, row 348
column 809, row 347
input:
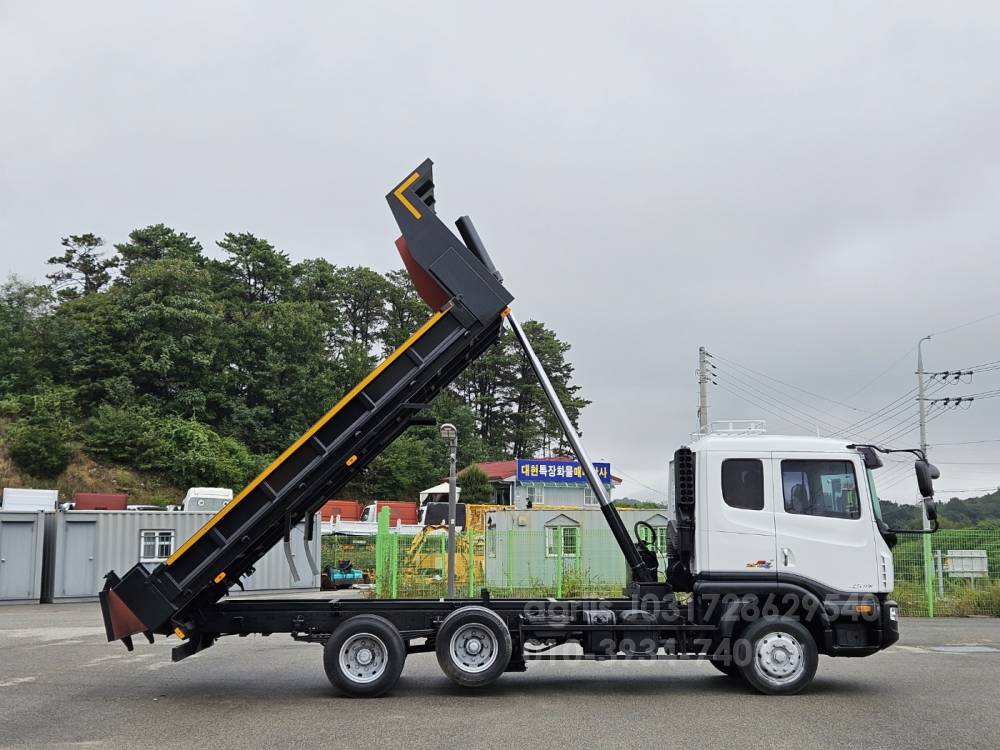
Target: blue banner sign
column 558, row 472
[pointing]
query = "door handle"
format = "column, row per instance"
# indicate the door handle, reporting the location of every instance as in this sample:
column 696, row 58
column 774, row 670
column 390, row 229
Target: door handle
column 784, row 553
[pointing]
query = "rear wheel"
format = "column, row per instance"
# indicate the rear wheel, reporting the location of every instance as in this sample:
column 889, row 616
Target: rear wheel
column 782, row 656
column 364, row 656
column 473, row 646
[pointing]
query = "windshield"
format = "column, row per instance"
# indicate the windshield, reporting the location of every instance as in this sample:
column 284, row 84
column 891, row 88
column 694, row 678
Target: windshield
column 876, row 506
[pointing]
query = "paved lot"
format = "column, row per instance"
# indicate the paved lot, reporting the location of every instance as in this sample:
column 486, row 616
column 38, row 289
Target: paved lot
column 62, row 685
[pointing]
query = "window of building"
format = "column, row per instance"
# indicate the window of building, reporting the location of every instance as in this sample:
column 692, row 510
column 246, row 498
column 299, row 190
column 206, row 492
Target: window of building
column 491, row 542
column 820, row 488
column 533, row 494
column 570, row 541
column 660, row 543
column 743, row 483
column 589, row 498
column 155, row 546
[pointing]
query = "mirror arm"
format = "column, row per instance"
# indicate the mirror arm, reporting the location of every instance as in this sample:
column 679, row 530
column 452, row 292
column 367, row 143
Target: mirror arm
column 931, row 530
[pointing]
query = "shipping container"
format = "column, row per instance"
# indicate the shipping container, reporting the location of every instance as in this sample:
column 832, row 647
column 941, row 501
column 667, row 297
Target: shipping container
column 29, row 500
column 348, row 510
column 99, row 501
column 21, row 546
column 80, row 547
column 399, row 512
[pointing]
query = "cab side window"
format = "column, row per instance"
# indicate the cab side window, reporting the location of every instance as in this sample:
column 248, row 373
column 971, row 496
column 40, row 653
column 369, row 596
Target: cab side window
column 743, row 483
column 820, row 488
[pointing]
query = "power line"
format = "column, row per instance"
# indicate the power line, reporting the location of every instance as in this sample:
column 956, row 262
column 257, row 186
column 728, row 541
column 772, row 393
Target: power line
column 884, row 372
column 966, row 325
column 742, row 382
column 892, row 406
column 633, row 479
column 766, row 410
column 790, row 385
column 971, row 442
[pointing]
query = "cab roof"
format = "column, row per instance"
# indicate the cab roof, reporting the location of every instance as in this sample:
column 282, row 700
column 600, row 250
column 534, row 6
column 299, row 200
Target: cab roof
column 771, row 443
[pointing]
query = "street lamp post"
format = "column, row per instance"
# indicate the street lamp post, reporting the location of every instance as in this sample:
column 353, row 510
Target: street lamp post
column 450, row 435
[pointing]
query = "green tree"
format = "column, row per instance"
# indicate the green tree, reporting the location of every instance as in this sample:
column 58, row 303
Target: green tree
column 39, row 448
column 405, row 311
column 281, row 379
column 87, row 348
column 475, row 486
column 253, row 271
column 157, row 242
column 192, row 453
column 40, row 441
column 405, row 468
column 487, row 388
column 360, row 295
column 24, row 313
column 84, row 270
column 172, row 328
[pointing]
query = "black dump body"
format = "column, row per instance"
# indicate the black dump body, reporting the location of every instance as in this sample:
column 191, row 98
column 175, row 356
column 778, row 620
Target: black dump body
column 178, row 595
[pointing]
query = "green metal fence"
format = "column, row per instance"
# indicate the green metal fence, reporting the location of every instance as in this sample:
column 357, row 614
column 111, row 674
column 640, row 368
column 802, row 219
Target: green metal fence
column 931, row 581
column 942, row 578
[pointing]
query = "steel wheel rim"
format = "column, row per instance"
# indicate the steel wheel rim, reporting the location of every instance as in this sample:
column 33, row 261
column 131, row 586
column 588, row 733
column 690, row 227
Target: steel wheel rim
column 363, row 658
column 779, row 658
column 474, row 648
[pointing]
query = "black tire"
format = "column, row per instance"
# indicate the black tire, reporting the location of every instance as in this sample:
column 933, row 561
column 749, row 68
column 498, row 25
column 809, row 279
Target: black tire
column 779, row 655
column 364, row 656
column 460, row 632
column 728, row 667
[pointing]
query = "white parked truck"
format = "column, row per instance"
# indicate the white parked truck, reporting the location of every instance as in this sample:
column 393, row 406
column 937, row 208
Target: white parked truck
column 204, row 499
column 776, row 550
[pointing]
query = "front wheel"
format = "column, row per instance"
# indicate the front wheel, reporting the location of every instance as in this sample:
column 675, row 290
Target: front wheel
column 782, row 656
column 364, row 656
column 727, row 667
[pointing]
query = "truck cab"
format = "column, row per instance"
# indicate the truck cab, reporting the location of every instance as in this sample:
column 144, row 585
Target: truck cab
column 792, row 521
column 211, row 499
column 789, row 507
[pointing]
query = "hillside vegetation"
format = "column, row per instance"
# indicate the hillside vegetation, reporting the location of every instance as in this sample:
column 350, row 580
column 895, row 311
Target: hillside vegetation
column 151, row 367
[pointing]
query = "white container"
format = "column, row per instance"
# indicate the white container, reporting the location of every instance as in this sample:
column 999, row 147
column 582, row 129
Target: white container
column 29, row 500
column 21, row 546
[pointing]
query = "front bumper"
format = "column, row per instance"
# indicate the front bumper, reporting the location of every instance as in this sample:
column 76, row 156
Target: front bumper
column 849, row 633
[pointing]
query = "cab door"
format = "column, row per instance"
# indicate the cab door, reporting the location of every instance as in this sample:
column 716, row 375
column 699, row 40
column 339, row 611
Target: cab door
column 823, row 521
column 739, row 514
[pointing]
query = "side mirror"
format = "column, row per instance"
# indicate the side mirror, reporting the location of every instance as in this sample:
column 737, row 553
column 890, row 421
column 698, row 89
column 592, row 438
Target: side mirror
column 871, row 459
column 926, row 474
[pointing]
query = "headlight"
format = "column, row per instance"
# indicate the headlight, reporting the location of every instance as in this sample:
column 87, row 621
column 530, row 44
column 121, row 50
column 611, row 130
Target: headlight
column 894, row 614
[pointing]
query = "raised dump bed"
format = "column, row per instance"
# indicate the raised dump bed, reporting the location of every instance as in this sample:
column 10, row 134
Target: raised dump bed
column 469, row 304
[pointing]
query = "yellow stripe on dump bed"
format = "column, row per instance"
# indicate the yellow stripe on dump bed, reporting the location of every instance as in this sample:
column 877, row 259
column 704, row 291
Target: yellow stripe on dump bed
column 398, row 192
column 312, row 431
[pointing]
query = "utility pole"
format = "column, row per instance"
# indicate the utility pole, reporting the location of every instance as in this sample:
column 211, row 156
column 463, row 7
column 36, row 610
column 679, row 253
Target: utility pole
column 922, row 415
column 702, row 390
column 921, row 401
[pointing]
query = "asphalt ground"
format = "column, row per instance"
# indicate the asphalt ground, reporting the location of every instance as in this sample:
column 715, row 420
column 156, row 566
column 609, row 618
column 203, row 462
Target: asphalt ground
column 63, row 685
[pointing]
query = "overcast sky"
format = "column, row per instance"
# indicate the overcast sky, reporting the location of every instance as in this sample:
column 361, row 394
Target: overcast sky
column 804, row 191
